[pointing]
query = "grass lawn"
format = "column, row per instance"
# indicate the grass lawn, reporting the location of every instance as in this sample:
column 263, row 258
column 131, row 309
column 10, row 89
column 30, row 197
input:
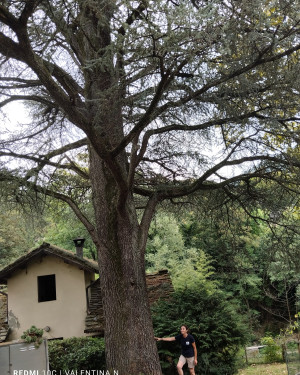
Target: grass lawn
column 273, row 369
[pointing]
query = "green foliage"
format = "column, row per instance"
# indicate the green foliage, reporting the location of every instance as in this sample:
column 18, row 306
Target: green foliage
column 33, row 334
column 290, row 331
column 199, row 271
column 166, row 249
column 218, row 330
column 298, row 296
column 18, row 233
column 272, row 350
column 76, row 353
column 165, row 245
column 234, row 249
column 63, row 227
column 255, row 264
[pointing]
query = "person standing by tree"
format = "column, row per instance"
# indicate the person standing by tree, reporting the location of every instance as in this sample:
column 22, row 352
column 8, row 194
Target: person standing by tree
column 188, row 349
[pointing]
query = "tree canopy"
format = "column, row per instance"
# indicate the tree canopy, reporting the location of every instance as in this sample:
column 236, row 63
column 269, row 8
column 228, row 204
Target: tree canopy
column 136, row 102
column 224, row 78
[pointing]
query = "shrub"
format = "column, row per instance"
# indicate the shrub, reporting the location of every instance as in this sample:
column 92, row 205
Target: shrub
column 33, row 335
column 76, row 353
column 272, row 351
column 218, row 330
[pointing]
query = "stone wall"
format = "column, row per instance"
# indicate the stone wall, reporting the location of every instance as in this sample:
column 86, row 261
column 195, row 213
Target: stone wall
column 159, row 286
column 3, row 308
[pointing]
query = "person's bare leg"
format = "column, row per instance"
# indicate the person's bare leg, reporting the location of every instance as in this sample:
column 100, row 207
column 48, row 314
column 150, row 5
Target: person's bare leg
column 192, row 371
column 179, row 368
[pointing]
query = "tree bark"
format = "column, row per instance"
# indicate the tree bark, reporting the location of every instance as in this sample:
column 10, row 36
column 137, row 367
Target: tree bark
column 129, row 337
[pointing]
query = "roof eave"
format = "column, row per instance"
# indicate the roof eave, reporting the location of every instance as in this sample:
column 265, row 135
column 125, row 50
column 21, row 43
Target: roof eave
column 44, row 250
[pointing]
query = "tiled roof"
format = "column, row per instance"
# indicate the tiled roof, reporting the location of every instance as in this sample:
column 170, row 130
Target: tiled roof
column 48, row 249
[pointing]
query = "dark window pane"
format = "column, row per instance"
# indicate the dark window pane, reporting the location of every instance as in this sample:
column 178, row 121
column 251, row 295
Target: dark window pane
column 46, row 288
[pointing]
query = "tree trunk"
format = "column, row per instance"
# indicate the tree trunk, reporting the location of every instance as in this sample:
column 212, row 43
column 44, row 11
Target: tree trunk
column 129, row 338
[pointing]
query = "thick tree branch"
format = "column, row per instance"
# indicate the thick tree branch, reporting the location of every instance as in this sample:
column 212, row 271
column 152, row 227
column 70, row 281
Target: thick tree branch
column 45, row 70
column 154, row 112
column 203, row 183
column 188, row 128
column 35, row 98
column 10, row 49
column 72, row 204
column 146, row 119
column 48, row 192
column 28, row 10
column 145, row 223
column 18, row 83
column 7, row 18
column 136, row 13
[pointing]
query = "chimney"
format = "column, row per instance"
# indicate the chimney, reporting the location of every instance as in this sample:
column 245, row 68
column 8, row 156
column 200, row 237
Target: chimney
column 79, row 246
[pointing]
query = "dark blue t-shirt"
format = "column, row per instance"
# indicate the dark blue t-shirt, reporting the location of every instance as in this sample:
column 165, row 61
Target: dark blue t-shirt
column 187, row 349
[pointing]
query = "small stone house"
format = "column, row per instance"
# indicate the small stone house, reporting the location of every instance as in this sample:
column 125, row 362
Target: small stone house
column 59, row 291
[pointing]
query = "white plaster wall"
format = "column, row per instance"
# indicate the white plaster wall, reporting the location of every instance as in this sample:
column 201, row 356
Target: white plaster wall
column 65, row 316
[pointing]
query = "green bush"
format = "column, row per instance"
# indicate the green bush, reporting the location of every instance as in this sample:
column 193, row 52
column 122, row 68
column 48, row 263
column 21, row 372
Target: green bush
column 33, row 335
column 76, row 353
column 272, row 351
column 218, row 330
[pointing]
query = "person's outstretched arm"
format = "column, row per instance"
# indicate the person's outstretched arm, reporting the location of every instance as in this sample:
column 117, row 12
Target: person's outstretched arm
column 164, row 338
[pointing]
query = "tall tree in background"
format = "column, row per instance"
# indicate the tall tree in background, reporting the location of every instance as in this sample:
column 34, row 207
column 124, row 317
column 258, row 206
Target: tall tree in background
column 150, row 89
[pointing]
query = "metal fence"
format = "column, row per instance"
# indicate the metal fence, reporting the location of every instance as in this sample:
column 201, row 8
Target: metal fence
column 292, row 356
column 254, row 355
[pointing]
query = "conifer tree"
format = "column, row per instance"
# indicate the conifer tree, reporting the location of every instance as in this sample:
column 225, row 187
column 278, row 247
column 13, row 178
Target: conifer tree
column 150, row 89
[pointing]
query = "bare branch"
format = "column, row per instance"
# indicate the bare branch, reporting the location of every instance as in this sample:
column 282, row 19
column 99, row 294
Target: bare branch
column 203, row 183
column 35, row 98
column 43, row 160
